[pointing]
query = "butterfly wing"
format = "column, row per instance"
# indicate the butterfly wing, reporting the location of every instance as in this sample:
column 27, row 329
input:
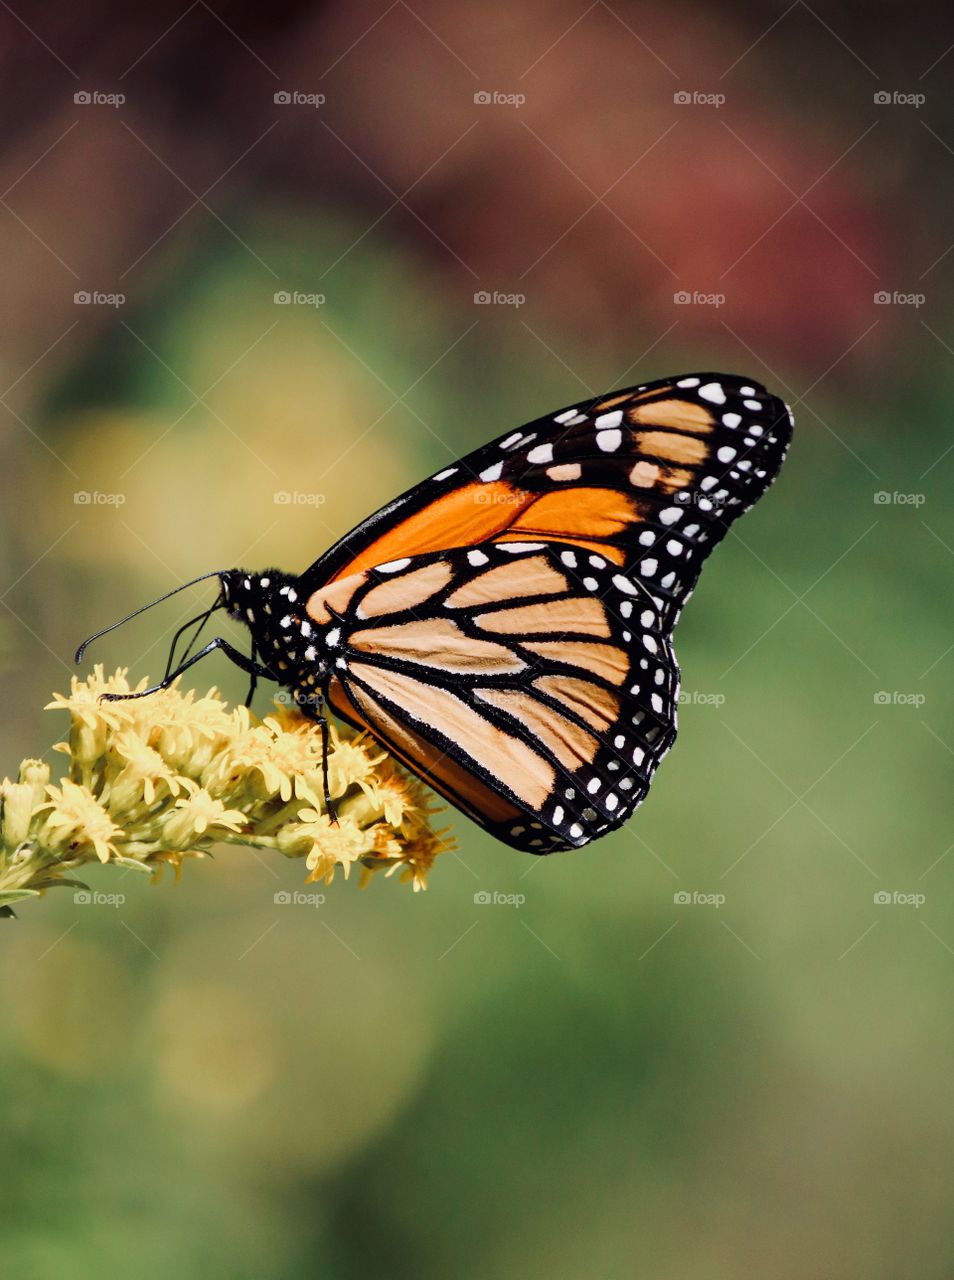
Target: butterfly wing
column 613, row 475
column 533, row 686
column 543, row 712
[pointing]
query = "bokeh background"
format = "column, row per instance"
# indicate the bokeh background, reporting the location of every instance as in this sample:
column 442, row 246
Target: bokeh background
column 608, row 1079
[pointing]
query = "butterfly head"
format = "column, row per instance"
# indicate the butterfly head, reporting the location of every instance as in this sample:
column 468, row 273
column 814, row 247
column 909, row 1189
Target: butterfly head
column 269, row 604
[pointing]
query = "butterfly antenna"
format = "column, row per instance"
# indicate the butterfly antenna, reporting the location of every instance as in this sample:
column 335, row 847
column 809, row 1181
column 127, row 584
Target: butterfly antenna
column 78, row 656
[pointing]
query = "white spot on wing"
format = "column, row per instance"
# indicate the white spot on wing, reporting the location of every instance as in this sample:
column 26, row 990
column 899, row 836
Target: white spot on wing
column 492, row 473
column 712, row 392
column 608, row 420
column 392, row 566
column 542, row 453
column 609, row 441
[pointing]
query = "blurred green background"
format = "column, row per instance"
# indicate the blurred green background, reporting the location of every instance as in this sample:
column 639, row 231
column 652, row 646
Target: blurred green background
column 621, row 1076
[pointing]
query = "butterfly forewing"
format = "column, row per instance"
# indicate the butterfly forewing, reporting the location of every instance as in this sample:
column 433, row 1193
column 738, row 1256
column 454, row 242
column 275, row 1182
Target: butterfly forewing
column 613, row 475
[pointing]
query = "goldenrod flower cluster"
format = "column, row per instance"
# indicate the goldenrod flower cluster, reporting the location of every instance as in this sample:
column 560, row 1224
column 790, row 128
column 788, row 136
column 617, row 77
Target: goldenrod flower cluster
column 159, row 779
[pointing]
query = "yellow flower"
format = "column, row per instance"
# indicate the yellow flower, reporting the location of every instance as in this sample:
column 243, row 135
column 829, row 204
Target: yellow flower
column 195, row 815
column 74, row 818
column 163, row 778
column 140, row 771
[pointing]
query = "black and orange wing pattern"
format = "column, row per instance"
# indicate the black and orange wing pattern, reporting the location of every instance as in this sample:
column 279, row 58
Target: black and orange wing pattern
column 505, row 625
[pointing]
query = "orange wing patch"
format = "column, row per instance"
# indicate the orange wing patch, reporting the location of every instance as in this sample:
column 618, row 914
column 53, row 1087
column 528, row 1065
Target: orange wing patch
column 577, row 513
column 453, row 782
column 528, row 576
column 570, row 744
column 461, row 518
column 682, row 415
column 580, row 614
column 337, row 594
column 672, row 447
column 406, row 591
column 439, row 644
column 517, row 766
column 603, row 660
column 595, row 705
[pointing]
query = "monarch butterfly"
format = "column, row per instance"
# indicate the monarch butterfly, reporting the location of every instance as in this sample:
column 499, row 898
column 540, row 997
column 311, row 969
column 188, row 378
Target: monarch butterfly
column 505, row 627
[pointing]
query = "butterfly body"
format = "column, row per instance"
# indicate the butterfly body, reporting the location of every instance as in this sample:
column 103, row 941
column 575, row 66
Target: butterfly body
column 505, row 627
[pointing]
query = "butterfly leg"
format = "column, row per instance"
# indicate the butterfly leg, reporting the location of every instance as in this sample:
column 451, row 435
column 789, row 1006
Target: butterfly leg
column 329, row 803
column 247, row 664
column 253, row 682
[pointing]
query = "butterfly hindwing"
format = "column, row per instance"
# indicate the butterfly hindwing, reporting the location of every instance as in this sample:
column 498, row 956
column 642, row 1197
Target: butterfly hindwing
column 534, row 685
